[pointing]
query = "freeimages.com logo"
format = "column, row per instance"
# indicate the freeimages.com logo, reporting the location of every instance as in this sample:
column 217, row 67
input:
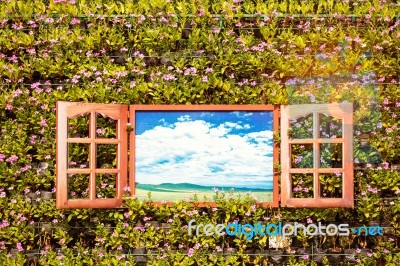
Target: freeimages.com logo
column 280, row 229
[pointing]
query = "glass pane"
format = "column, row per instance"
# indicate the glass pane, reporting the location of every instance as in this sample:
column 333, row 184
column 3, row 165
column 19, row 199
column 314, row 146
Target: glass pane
column 302, row 185
column 330, row 127
column 302, row 127
column 302, row 156
column 106, row 155
column 106, row 186
column 331, row 155
column 105, row 127
column 78, row 155
column 331, row 185
column 78, row 186
column 78, row 127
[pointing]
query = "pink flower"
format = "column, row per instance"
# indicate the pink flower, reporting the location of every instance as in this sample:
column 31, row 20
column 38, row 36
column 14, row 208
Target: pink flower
column 43, row 122
column 35, row 85
column 26, row 168
column 4, row 224
column 298, row 159
column 100, row 131
column 19, row 247
column 169, row 77
column 190, row 252
column 75, row 21
column 12, row 159
column 9, row 107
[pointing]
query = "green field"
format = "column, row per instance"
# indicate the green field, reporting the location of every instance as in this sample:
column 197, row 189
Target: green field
column 174, row 192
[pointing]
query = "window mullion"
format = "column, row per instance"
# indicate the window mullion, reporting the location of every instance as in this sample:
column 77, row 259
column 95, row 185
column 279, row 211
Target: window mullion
column 132, row 151
column 316, row 154
column 92, row 135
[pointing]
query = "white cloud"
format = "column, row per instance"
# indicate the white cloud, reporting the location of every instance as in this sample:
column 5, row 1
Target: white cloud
column 198, row 152
column 242, row 114
column 236, row 125
column 184, row 118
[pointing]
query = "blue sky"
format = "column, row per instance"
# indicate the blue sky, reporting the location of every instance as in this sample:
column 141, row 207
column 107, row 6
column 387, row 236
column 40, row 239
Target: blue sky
column 216, row 148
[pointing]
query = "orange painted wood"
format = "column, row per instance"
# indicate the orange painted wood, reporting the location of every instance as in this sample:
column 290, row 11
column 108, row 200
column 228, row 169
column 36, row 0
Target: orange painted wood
column 90, row 140
column 134, row 108
column 318, row 140
column 67, row 110
column 342, row 111
column 132, row 151
column 88, row 171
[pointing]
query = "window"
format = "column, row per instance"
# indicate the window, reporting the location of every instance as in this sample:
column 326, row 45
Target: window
column 203, row 148
column 172, row 148
column 317, row 155
column 91, row 155
column 187, row 148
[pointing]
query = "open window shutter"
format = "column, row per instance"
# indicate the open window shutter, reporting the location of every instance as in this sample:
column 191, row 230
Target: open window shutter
column 316, row 142
column 104, row 180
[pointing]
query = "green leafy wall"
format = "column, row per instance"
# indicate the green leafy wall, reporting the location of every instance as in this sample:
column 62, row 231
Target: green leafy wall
column 183, row 52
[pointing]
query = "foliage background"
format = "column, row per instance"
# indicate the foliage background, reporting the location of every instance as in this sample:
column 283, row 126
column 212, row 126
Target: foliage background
column 182, row 52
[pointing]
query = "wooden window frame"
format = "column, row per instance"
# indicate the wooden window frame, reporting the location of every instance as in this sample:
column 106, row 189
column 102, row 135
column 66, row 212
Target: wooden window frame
column 342, row 111
column 274, row 109
column 66, row 110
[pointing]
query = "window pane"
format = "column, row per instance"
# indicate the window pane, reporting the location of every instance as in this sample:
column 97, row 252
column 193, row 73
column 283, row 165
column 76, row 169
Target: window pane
column 78, row 186
column 302, row 185
column 331, row 155
column 78, row 127
column 78, row 155
column 330, row 127
column 302, row 127
column 106, row 127
column 106, row 155
column 302, row 156
column 106, row 186
column 331, row 185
